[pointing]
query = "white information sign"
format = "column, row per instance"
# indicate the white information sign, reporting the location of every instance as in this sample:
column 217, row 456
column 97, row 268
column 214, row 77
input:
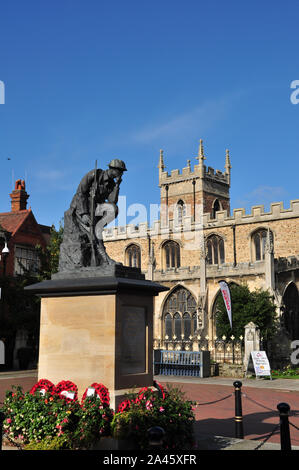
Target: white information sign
column 261, row 363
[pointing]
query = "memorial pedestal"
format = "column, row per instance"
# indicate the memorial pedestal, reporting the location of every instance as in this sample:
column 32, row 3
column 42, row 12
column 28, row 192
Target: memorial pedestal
column 97, row 329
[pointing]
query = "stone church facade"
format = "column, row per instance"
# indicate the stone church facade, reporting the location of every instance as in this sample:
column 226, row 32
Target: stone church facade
column 199, row 241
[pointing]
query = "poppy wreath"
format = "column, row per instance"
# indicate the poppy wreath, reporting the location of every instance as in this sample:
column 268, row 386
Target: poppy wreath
column 161, row 389
column 43, row 385
column 142, row 392
column 102, row 393
column 66, row 386
column 124, row 406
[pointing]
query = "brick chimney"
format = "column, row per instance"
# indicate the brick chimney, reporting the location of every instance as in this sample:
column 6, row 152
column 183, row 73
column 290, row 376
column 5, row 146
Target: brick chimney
column 19, row 197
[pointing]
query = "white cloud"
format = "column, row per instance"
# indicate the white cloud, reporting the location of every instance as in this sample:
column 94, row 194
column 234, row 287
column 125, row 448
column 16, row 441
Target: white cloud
column 186, row 126
column 262, row 195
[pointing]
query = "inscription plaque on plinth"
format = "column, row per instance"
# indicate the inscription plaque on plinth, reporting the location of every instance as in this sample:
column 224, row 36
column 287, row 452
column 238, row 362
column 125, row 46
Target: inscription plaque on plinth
column 133, row 340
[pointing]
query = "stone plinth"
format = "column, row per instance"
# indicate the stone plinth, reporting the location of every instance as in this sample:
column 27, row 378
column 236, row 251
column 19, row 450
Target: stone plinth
column 97, row 329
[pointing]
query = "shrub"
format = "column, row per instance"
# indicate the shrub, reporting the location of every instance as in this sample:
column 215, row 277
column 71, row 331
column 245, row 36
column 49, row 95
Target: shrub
column 54, row 443
column 46, row 417
column 139, row 412
column 94, row 422
column 34, row 417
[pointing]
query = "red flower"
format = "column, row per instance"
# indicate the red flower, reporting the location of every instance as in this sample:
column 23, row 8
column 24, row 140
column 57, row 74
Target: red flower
column 141, row 392
column 124, row 406
column 101, row 392
column 65, row 386
column 43, row 385
column 162, row 390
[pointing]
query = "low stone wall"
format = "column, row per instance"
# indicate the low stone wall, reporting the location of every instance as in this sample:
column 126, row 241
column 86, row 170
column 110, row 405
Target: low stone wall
column 230, row 370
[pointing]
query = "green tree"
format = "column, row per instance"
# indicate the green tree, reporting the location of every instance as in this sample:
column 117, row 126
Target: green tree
column 256, row 306
column 49, row 256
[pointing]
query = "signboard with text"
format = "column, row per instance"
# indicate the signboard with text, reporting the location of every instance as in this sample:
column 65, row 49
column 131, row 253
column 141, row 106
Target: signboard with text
column 261, row 363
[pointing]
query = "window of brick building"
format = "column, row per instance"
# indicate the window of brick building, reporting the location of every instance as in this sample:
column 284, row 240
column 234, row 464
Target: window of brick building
column 133, row 256
column 26, row 260
column 215, row 250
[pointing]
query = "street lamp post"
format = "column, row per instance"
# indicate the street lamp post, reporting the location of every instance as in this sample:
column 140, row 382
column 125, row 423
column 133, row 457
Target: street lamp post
column 5, row 253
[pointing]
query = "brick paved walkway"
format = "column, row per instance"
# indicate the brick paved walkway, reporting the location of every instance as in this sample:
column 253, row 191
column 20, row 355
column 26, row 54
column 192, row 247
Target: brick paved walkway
column 259, row 419
column 26, row 380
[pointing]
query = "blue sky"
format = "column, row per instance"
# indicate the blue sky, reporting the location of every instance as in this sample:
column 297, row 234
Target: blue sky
column 87, row 80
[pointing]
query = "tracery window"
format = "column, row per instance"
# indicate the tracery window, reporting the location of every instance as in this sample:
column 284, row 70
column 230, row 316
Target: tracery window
column 133, row 256
column 215, row 250
column 172, row 256
column 180, row 315
column 259, row 240
column 180, row 212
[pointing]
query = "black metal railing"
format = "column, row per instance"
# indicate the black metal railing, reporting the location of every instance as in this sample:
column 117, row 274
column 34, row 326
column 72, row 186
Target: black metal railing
column 222, row 350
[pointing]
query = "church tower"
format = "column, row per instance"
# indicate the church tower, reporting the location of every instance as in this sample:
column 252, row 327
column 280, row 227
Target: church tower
column 183, row 193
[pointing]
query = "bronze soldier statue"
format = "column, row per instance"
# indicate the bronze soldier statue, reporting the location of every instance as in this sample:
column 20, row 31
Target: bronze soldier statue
column 93, row 206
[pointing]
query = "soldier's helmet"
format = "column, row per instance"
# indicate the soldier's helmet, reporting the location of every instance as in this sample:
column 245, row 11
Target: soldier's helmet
column 119, row 164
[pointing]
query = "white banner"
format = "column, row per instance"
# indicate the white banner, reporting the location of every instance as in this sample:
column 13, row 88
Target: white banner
column 227, row 299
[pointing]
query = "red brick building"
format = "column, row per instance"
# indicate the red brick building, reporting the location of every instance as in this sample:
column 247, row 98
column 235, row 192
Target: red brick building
column 20, row 233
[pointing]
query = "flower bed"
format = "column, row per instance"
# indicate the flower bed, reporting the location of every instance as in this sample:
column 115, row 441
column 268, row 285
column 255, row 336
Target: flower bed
column 144, row 410
column 51, row 417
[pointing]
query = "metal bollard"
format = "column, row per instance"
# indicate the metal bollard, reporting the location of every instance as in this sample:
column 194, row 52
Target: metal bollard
column 285, row 439
column 155, row 437
column 239, row 432
column 2, row 417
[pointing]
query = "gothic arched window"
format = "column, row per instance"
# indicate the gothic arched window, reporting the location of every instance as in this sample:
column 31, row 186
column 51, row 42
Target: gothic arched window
column 179, row 314
column 171, row 254
column 215, row 248
column 259, row 241
column 180, row 211
column 133, row 256
column 290, row 316
column 216, row 208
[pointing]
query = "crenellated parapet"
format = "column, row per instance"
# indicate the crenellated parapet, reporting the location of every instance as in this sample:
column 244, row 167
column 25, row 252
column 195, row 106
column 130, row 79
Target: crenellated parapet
column 199, row 171
column 205, row 221
column 257, row 214
column 289, row 263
